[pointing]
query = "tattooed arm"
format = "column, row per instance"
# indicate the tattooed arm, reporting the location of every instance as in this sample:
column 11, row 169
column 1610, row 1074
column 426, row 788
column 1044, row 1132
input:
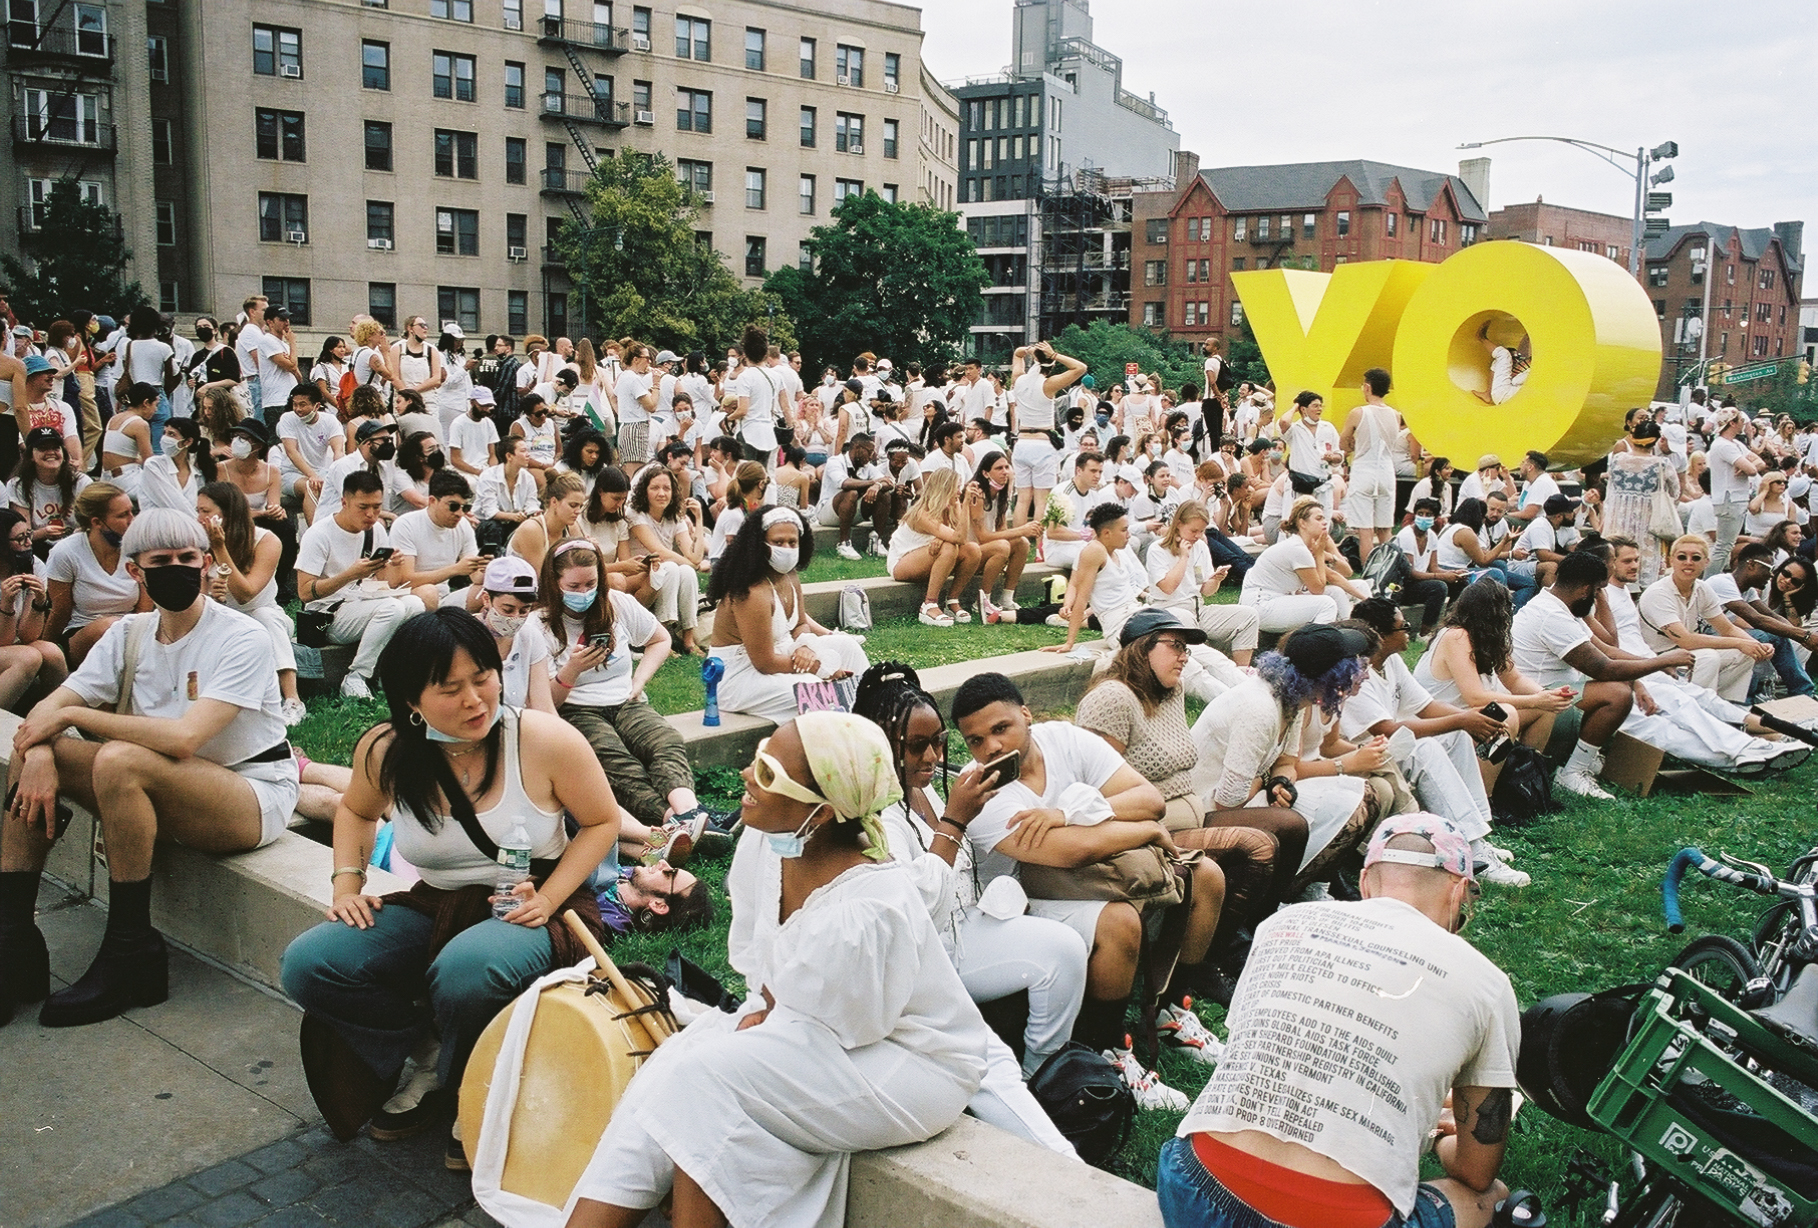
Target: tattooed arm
column 1473, row 1151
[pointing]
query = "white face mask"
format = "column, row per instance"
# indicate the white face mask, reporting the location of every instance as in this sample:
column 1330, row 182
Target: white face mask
column 783, row 558
column 503, row 626
column 241, row 448
column 172, row 444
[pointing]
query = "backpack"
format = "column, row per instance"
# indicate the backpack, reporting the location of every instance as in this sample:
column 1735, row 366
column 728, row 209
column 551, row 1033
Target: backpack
column 1086, row 1099
column 1524, row 790
column 1387, row 569
column 855, row 608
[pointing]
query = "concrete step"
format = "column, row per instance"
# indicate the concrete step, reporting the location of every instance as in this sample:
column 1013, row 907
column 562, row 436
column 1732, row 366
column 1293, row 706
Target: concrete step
column 900, row 598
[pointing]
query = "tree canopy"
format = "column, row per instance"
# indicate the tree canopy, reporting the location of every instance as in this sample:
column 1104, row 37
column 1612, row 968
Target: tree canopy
column 76, row 259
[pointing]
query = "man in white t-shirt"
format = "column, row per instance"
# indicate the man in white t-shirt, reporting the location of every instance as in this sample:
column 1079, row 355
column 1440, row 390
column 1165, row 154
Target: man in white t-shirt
column 346, row 567
column 1553, row 646
column 1331, row 1084
column 472, row 436
column 1537, row 486
column 1540, row 544
column 1740, row 591
column 435, row 545
column 375, row 444
column 311, row 442
column 1732, row 466
column 200, row 759
column 1061, row 543
column 851, row 483
column 1724, row 655
column 278, row 370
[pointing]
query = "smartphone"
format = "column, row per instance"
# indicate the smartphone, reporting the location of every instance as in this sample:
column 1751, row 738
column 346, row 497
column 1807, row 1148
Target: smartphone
column 1001, row 771
column 381, row 554
column 1497, row 748
column 602, row 640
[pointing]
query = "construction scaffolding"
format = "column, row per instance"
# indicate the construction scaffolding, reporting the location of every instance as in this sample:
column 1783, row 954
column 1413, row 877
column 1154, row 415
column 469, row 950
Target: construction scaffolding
column 1084, row 256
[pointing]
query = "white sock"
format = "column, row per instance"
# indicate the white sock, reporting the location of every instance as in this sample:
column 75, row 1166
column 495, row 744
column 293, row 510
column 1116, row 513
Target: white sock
column 1584, row 757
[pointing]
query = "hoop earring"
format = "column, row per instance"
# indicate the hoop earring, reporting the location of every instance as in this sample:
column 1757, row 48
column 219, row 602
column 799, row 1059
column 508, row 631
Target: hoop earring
column 416, row 718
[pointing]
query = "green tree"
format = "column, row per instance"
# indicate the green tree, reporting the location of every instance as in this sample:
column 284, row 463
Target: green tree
column 643, row 273
column 1108, row 348
column 1244, row 355
column 900, row 280
column 76, row 259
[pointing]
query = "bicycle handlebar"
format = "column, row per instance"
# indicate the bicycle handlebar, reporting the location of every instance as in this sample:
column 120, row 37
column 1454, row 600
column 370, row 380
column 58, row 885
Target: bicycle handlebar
column 1688, row 857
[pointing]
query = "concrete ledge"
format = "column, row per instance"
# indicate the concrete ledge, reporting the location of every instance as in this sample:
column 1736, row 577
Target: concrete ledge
column 899, row 598
column 976, row 1176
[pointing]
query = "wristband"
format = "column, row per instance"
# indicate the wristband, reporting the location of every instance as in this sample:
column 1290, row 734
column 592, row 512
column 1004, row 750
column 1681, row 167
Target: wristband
column 949, row 819
column 1340, row 761
column 360, row 870
column 948, row 836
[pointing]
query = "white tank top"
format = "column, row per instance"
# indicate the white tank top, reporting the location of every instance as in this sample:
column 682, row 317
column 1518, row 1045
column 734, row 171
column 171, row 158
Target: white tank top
column 1446, row 689
column 265, row 596
column 1447, row 554
column 1120, row 582
column 413, row 368
column 904, row 541
column 1034, row 407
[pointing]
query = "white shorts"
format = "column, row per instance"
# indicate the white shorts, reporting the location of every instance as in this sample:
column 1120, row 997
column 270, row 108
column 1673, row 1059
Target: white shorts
column 275, row 785
column 1369, row 511
column 1080, row 916
column 1036, row 463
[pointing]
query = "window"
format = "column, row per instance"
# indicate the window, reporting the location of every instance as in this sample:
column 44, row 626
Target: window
column 849, row 64
column 842, row 188
column 754, row 50
column 1237, row 264
column 513, row 12
column 382, row 302
column 1759, row 345
column 514, row 85
column 290, row 293
column 754, row 119
column 1614, row 253
column 451, row 75
column 167, row 297
column 277, row 52
column 1240, row 230
column 754, row 187
column 457, row 154
column 1730, row 274
column 804, row 259
column 693, row 38
column 754, row 255
column 163, row 143
column 380, row 222
column 283, row 217
column 807, row 57
column 1388, row 224
column 1439, row 231
column 893, row 65
column 157, row 49
column 1192, row 271
column 515, row 158
column 460, row 304
column 517, row 311
column 1191, row 317
column 517, row 232
column 1344, row 223
column 1467, row 235
column 167, row 223
column 1154, row 316
column 1309, row 226
column 1261, row 229
column 1155, row 272
column 849, row 133
column 453, row 10
column 807, row 194
column 640, row 103
column 807, row 127
column 375, row 65
column 1658, row 274
column 693, row 111
column 1192, row 230
column 1767, row 279
column 696, row 175
column 1156, row 230
column 457, row 232
column 889, row 193
column 378, row 145
column 890, row 136
column 278, row 134
column 1660, row 308
column 1237, row 312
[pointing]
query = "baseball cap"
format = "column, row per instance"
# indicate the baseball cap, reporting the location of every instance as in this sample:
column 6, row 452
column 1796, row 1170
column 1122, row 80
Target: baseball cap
column 1132, row 474
column 668, row 356
column 482, row 396
column 1088, row 382
column 36, row 364
column 43, row 438
column 22, row 330
column 1558, row 505
column 1316, row 648
column 853, row 385
column 1148, row 622
column 510, row 575
column 1451, row 851
column 1489, row 460
column 453, row 329
column 884, row 364
column 371, row 427
column 883, row 394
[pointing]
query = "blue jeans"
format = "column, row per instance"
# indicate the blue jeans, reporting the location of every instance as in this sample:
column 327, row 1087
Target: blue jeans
column 1191, row 1197
column 370, row 984
column 1785, row 663
column 161, row 417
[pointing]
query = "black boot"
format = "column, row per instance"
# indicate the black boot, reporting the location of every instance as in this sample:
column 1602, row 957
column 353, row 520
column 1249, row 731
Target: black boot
column 1101, row 1024
column 24, row 959
column 131, row 969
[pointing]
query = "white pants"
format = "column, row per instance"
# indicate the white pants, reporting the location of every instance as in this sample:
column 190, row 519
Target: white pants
column 1283, row 614
column 1006, row 1102
column 1058, row 554
column 1697, row 725
column 678, row 593
column 277, row 625
column 370, row 621
column 997, row 958
column 1724, row 670
column 1231, row 628
column 1443, row 770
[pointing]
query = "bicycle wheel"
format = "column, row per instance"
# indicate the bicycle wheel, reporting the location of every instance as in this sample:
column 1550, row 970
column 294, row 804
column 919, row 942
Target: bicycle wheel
column 1719, row 963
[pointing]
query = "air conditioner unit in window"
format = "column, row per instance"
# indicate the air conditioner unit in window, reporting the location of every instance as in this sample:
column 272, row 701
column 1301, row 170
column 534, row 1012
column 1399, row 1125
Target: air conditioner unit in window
column 890, row 87
column 645, row 117
column 855, row 147
column 706, row 198
column 290, row 70
column 844, row 79
column 298, row 236
column 516, row 255
column 379, row 245
column 640, row 42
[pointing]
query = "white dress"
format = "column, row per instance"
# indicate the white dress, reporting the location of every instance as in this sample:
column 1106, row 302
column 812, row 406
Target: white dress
column 745, row 689
column 872, row 1043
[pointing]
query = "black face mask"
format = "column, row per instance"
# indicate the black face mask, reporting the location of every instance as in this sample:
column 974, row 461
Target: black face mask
column 173, row 587
column 385, row 451
column 434, row 461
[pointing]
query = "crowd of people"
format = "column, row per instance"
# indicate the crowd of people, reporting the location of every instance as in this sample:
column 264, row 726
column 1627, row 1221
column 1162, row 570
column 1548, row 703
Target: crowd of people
column 510, row 545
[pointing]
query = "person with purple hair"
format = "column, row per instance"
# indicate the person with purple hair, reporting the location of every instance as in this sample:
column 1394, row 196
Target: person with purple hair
column 1273, row 741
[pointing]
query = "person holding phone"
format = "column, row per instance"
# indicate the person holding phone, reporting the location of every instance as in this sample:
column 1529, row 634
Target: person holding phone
column 1183, row 578
column 345, row 569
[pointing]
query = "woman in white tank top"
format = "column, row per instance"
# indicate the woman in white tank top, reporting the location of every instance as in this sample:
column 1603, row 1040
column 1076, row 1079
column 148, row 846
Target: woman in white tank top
column 1034, row 459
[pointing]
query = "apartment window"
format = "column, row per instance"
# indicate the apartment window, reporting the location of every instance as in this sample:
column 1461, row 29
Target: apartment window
column 1191, row 317
column 457, row 232
column 849, row 133
column 893, row 64
column 460, row 304
column 1726, row 308
column 375, row 65
column 842, row 188
column 696, row 175
column 1388, row 224
column 693, row 110
column 640, row 103
column 380, row 222
column 451, row 75
column 754, row 50
column 167, row 223
column 513, row 13
column 754, row 187
column 1439, row 232
column 1660, row 308
column 890, row 136
column 1309, row 226
column 1261, row 228
column 277, row 51
column 378, row 145
column 849, row 64
column 1344, row 224
column 807, row 59
column 1192, row 230
column 555, row 314
column 1154, row 315
column 278, row 134
column 1237, row 312
column 290, row 293
column 457, row 154
column 754, row 255
column 167, row 297
column 382, row 302
column 453, row 10
column 806, row 191
column 1205, row 271
column 1192, row 272
column 514, row 85
column 693, row 38
column 890, row 193
column 1759, row 345
column 754, row 118
column 1658, row 274
column 515, row 158
column 164, row 151
column 517, row 311
column 517, row 232
column 1767, row 279
column 1237, row 264
column 804, row 257
column 1730, row 274
column 282, row 217
column 1467, row 235
column 1155, row 272
column 1241, row 230
column 157, row 50
column 1156, row 230
column 807, row 127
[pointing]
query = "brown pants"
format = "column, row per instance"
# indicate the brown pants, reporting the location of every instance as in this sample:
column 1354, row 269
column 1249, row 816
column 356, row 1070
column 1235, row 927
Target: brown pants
column 1252, row 846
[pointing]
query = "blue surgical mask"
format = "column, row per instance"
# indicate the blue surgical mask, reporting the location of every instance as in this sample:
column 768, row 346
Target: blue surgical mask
column 791, row 846
column 1423, row 523
column 579, row 603
column 112, row 538
column 431, row 733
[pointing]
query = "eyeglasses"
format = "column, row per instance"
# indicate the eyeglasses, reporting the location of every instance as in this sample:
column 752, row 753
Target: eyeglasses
column 1179, row 647
column 769, row 775
column 1687, row 558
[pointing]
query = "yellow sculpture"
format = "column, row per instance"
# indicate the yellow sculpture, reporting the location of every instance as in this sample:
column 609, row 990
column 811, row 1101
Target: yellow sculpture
column 1593, row 334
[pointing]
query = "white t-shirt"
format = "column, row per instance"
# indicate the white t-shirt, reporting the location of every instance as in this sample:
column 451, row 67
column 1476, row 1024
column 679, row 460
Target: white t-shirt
column 11, row 605
column 1392, row 695
column 433, row 547
column 335, row 477
column 96, row 593
column 1034, row 407
column 631, row 386
column 528, row 652
column 607, row 685
column 363, row 372
column 144, row 360
column 1274, row 573
column 327, row 550
column 472, row 438
column 1728, row 484
column 1723, row 586
column 1543, row 633
column 838, row 470
column 246, row 348
column 312, row 440
column 275, row 383
column 1661, row 604
column 159, row 485
column 1539, row 535
column 45, row 503
column 1350, row 1025
column 1071, row 754
column 1408, row 544
column 1538, row 491
column 226, row 656
column 758, row 428
column 1198, row 574
column 1701, row 516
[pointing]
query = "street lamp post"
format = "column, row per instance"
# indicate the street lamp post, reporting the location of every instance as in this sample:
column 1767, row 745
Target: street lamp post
column 1643, row 174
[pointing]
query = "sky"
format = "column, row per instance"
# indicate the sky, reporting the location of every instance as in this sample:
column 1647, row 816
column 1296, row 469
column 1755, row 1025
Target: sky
column 1405, row 81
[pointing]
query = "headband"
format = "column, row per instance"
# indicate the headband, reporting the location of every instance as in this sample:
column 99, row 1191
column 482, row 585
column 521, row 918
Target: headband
column 780, row 515
column 575, row 543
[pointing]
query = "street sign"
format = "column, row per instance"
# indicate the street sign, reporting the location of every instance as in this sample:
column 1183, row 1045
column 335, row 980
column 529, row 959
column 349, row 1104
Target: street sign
column 1655, row 227
column 1744, row 375
column 1659, row 200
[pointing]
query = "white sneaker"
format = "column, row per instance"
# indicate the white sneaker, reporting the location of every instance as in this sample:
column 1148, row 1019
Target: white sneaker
column 1582, row 783
column 1181, row 1027
column 1316, row 893
column 1146, row 1085
column 931, row 616
column 1055, row 620
column 1498, row 871
column 877, row 549
column 354, row 687
column 293, row 711
column 846, row 551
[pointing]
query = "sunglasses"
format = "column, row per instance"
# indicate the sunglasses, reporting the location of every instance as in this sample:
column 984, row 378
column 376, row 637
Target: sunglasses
column 457, row 506
column 768, row 774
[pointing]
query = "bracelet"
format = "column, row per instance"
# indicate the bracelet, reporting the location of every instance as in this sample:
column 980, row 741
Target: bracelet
column 360, row 870
column 1340, row 762
column 949, row 819
column 947, row 836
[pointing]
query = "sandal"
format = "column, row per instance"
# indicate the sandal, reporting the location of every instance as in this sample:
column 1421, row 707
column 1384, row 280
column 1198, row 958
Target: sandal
column 931, row 616
column 957, row 612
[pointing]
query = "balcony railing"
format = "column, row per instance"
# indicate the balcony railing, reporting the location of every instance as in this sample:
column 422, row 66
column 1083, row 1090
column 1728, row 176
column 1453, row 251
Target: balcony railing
column 585, row 110
column 63, row 42
column 89, row 135
column 553, row 31
column 564, row 182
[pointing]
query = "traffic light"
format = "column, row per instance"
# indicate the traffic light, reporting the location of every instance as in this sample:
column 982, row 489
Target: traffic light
column 1805, row 371
column 1714, row 373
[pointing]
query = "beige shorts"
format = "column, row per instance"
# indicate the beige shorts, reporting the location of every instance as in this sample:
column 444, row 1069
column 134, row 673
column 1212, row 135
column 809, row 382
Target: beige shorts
column 634, row 443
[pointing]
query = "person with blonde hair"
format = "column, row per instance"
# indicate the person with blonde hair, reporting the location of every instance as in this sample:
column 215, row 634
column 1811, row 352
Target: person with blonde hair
column 1302, row 578
column 932, row 544
column 564, row 499
column 371, row 363
column 90, row 586
column 1675, row 607
column 1183, row 578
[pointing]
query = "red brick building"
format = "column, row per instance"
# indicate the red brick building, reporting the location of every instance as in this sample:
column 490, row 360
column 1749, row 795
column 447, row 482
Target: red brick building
column 1724, row 293
column 1558, row 226
column 1308, row 215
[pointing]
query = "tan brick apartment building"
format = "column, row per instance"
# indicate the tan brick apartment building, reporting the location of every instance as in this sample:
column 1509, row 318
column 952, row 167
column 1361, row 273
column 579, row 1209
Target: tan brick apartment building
column 1557, row 226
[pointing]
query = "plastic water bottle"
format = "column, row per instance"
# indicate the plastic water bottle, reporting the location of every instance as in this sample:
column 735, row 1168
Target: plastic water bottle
column 712, row 670
column 514, row 868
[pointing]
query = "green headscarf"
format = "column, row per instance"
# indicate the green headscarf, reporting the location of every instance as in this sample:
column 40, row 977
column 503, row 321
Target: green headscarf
column 854, row 770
